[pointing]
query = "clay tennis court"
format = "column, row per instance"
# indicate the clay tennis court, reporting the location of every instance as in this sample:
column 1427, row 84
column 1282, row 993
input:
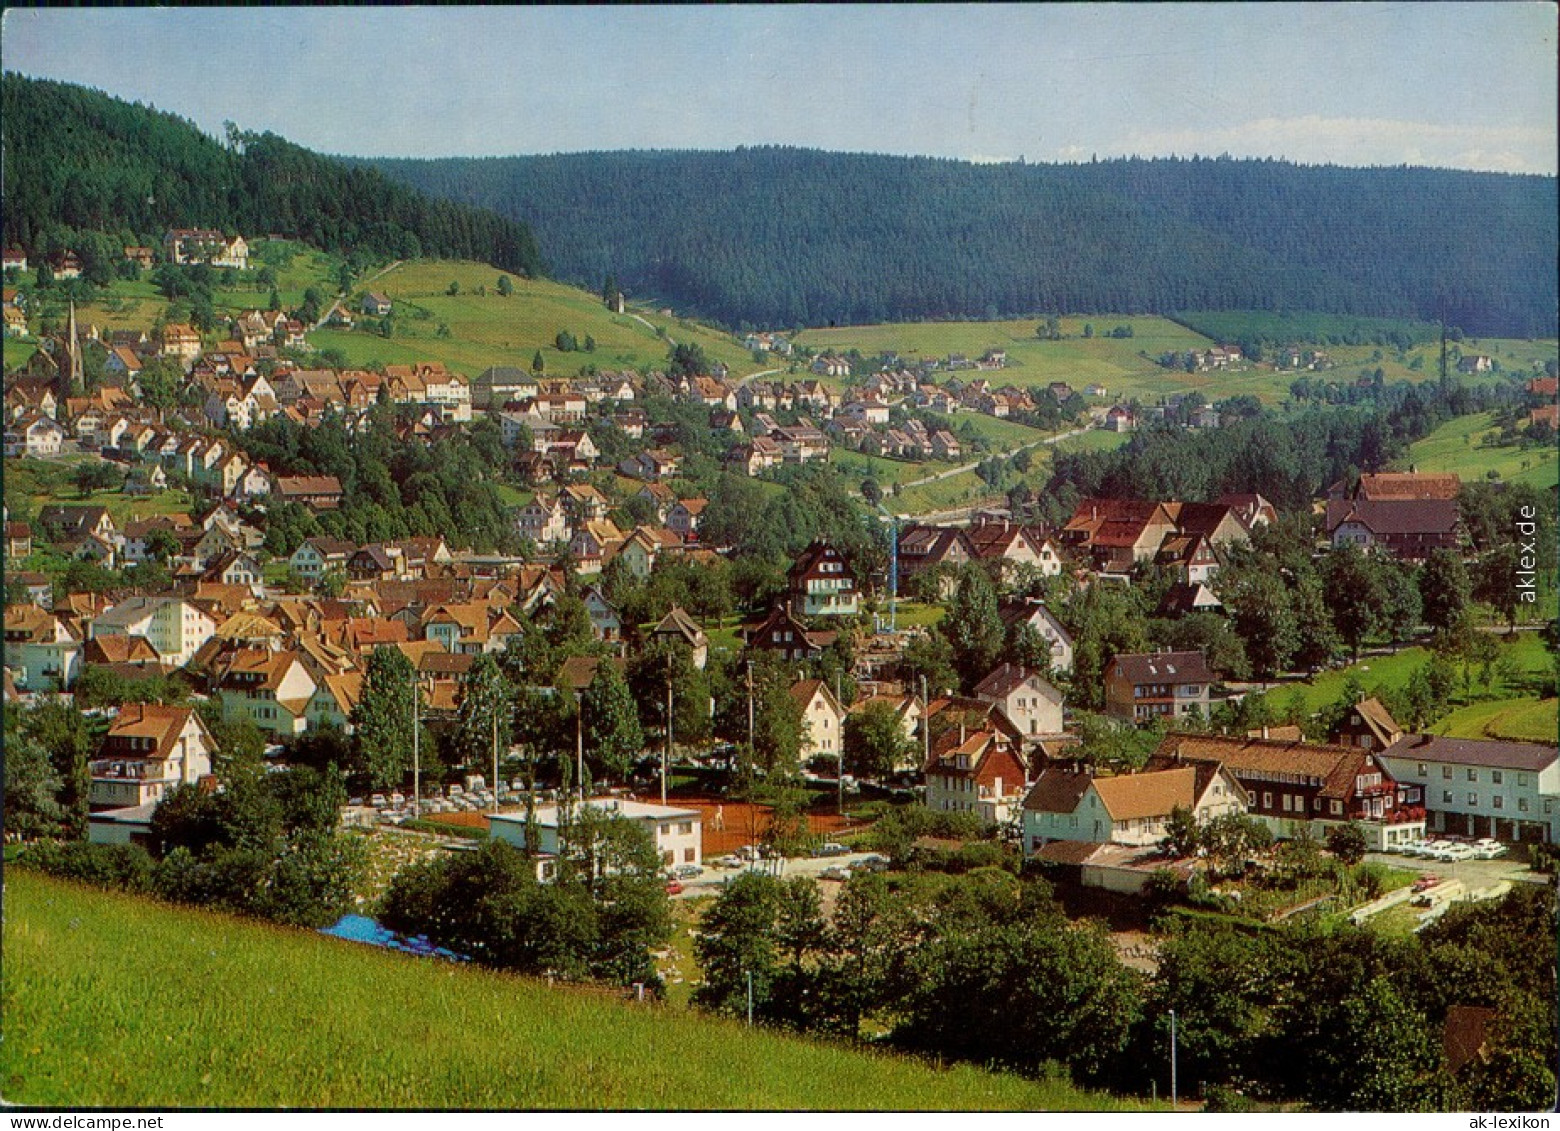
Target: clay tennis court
column 743, row 823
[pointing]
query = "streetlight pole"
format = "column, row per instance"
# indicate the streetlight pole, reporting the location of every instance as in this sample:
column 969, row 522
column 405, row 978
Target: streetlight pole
column 1173, row 1095
column 749, row 998
column 495, row 761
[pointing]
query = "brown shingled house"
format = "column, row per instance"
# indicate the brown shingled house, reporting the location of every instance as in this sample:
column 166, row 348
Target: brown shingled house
column 1293, row 784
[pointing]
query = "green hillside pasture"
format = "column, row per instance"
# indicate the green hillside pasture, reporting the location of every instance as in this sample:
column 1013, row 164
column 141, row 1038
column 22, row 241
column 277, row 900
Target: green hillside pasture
column 915, row 614
column 45, row 482
column 1299, row 328
column 1094, row 440
column 1126, row 366
column 17, row 353
column 137, row 304
column 968, row 489
column 1074, row 359
column 961, row 490
column 1522, row 720
column 248, row 1015
column 1004, row 435
column 886, row 471
column 1533, row 663
column 490, row 329
column 1454, row 447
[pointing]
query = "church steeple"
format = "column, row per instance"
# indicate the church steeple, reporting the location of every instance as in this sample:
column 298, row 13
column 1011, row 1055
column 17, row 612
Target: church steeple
column 72, row 380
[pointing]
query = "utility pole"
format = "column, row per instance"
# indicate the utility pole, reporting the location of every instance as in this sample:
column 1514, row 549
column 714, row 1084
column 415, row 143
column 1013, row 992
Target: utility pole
column 416, row 754
column 1173, row 1095
column 926, row 728
column 839, row 769
column 750, row 998
column 579, row 743
column 666, row 757
column 495, row 761
column 750, row 707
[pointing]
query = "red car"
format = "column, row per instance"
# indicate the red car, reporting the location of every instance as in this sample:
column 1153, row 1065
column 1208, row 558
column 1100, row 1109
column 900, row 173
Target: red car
column 1425, row 883
column 673, row 887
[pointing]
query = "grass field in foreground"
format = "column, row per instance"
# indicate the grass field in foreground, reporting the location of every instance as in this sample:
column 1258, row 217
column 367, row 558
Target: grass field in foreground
column 119, row 1002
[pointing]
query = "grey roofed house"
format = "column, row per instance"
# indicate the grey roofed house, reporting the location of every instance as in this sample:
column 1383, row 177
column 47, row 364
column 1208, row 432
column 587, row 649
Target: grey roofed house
column 679, row 624
column 1164, row 667
column 498, row 384
column 1499, row 755
column 128, row 612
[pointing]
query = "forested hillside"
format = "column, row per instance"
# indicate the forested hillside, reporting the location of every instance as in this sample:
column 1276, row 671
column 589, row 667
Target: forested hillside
column 778, row 237
column 77, row 161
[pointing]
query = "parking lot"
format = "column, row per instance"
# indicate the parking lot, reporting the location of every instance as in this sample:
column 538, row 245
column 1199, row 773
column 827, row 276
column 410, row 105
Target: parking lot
column 1475, row 874
column 714, row 877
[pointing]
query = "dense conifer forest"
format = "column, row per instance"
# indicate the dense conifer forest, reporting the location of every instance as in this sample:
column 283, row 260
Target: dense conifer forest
column 80, row 161
column 778, row 237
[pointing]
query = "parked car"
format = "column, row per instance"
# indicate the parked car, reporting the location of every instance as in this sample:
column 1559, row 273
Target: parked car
column 872, row 863
column 1425, row 882
column 673, row 887
column 830, row 849
column 1486, row 848
column 750, row 852
column 379, row 801
column 687, row 871
column 730, row 860
column 835, row 872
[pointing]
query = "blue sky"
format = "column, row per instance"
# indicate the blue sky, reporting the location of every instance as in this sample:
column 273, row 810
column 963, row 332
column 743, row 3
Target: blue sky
column 1458, row 85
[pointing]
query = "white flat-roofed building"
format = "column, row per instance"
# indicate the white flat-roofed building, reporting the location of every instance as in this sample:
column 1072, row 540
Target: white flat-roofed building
column 678, row 833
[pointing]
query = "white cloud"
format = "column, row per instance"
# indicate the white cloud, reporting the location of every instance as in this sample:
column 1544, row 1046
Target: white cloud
column 1315, row 140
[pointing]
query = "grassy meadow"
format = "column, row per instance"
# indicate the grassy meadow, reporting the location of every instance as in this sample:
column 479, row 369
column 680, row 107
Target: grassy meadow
column 1522, row 720
column 1454, row 447
column 1127, row 366
column 301, row 1020
column 487, row 328
column 32, row 483
column 1512, row 711
column 136, row 304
